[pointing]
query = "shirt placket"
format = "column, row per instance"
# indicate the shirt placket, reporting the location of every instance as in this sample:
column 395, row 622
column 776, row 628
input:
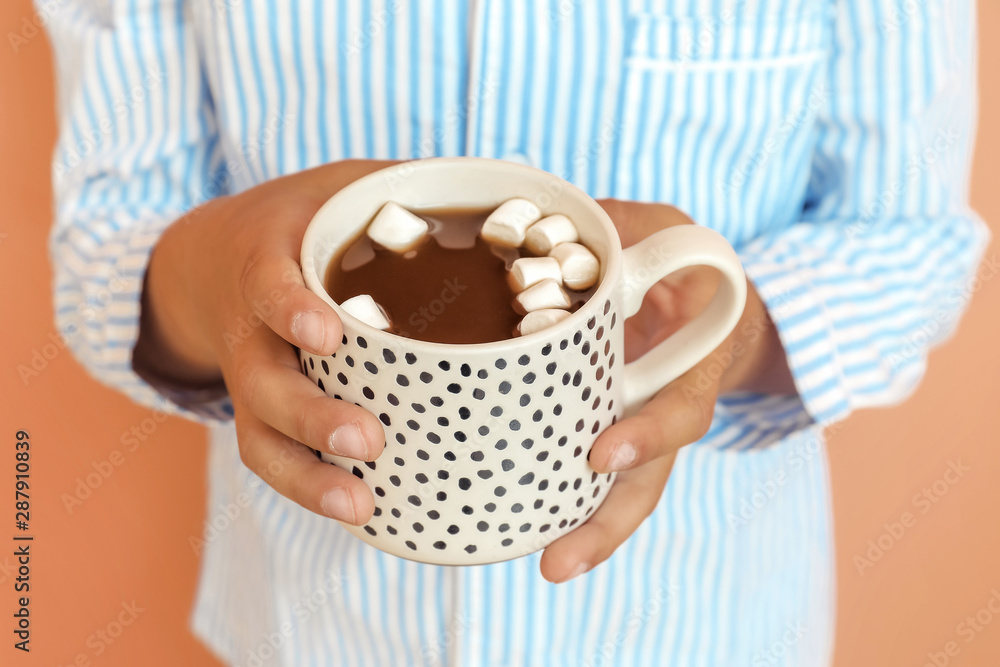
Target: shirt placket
column 470, row 633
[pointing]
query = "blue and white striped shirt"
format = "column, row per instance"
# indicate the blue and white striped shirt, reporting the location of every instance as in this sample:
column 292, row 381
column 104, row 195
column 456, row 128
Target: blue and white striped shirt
column 828, row 141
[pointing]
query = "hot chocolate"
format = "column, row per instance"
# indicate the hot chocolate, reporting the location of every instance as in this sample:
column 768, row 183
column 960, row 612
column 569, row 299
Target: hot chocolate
column 450, row 284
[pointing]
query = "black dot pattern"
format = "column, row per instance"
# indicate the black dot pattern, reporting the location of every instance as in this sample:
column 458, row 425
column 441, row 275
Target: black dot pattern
column 486, row 453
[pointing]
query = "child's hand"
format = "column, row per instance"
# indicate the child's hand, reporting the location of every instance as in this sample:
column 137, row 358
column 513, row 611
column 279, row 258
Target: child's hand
column 224, row 298
column 645, row 445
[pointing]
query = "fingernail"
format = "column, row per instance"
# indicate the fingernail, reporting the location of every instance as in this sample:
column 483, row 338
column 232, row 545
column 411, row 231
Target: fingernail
column 309, row 330
column 577, row 571
column 338, row 504
column 622, row 457
column 348, row 441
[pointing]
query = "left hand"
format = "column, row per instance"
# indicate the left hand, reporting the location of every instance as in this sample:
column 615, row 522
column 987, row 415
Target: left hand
column 643, row 447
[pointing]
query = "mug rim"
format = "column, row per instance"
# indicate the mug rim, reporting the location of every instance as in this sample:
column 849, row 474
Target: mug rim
column 613, row 242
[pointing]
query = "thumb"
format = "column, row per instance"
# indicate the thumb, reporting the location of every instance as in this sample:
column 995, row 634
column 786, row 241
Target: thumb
column 326, row 180
column 635, row 221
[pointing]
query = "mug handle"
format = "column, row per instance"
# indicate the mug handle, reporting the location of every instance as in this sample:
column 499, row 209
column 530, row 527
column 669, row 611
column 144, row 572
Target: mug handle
column 654, row 258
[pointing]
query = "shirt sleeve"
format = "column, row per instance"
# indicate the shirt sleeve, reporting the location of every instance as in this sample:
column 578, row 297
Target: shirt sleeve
column 882, row 263
column 137, row 148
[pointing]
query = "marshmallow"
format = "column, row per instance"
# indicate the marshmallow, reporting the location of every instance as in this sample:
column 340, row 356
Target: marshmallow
column 365, row 309
column 580, row 268
column 540, row 319
column 528, row 271
column 508, row 223
column 546, row 294
column 549, row 232
column 396, row 228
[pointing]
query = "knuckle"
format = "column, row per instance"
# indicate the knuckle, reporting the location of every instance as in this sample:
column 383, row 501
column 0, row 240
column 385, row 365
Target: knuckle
column 277, row 471
column 708, row 414
column 248, row 382
column 269, row 469
column 248, row 275
column 654, row 436
column 305, row 416
column 661, row 209
column 646, row 500
column 298, row 209
column 702, row 410
column 301, row 422
column 614, row 538
column 615, row 208
column 243, row 446
column 285, row 454
column 291, row 277
column 671, row 215
column 648, row 507
column 299, row 494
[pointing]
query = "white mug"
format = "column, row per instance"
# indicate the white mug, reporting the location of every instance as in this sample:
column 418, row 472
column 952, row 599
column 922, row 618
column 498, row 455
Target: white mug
column 486, row 444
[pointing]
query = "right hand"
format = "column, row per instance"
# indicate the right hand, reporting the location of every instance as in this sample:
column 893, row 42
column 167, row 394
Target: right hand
column 229, row 267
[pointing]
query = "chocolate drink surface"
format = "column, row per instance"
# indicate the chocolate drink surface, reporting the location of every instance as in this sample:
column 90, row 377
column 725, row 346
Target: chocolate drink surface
column 451, row 288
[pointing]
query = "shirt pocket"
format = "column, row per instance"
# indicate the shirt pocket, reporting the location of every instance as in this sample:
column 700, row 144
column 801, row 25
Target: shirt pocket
column 718, row 115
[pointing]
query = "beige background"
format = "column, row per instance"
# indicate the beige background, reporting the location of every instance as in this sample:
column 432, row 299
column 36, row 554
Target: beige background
column 129, row 540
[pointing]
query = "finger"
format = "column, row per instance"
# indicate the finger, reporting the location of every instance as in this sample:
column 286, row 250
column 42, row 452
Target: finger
column 294, row 471
column 679, row 414
column 325, row 180
column 271, row 282
column 270, row 384
column 273, row 289
column 633, row 496
column 637, row 221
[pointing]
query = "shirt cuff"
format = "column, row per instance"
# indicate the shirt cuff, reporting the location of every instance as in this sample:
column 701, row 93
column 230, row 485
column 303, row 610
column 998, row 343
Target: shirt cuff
column 104, row 334
column 806, row 333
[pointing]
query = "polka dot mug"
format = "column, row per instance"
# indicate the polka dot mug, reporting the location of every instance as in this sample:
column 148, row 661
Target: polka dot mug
column 486, row 444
